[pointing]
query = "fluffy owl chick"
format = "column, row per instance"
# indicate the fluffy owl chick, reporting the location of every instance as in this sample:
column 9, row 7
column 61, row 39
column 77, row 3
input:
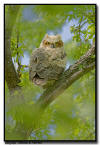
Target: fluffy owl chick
column 48, row 61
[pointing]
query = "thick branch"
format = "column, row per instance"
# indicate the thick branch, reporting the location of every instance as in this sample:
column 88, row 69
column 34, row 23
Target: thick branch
column 10, row 72
column 85, row 64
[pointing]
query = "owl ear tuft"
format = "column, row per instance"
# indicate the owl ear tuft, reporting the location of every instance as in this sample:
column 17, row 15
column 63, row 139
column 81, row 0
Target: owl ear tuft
column 58, row 36
column 46, row 35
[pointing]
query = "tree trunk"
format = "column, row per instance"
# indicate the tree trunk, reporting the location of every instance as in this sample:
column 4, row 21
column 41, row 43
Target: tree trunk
column 11, row 75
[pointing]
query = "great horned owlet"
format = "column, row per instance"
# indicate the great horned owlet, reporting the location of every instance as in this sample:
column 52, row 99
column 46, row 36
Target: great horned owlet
column 48, row 61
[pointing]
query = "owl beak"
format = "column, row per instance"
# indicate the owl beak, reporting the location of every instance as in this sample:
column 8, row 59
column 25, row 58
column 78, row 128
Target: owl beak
column 52, row 46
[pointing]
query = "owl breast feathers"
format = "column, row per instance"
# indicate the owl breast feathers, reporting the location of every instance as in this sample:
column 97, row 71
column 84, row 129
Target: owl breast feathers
column 48, row 61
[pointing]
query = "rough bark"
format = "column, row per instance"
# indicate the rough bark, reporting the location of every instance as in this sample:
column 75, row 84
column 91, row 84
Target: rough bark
column 11, row 75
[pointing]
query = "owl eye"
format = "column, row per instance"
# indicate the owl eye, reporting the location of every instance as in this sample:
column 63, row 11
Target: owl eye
column 47, row 43
column 59, row 44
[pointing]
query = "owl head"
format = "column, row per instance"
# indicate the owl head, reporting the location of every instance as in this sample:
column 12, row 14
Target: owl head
column 51, row 41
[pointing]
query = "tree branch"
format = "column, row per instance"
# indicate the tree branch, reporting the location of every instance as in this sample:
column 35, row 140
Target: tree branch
column 85, row 64
column 82, row 66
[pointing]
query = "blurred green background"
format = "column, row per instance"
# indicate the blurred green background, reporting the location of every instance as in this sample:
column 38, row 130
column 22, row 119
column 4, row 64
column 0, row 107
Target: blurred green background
column 72, row 115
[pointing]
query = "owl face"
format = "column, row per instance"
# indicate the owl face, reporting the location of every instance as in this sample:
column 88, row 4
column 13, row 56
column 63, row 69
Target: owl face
column 51, row 42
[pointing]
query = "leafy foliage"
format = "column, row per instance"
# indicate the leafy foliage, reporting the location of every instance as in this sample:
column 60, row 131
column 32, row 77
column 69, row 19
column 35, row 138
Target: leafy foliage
column 72, row 115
